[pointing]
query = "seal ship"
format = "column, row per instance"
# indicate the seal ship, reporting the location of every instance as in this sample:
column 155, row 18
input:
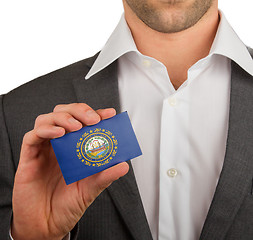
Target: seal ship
column 97, row 147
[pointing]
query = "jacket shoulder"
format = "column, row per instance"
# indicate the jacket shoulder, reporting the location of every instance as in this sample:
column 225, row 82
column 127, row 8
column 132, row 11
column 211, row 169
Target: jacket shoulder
column 53, row 87
column 52, row 80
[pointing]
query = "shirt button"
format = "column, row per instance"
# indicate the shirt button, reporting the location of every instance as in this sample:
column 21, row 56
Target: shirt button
column 146, row 63
column 172, row 102
column 172, row 172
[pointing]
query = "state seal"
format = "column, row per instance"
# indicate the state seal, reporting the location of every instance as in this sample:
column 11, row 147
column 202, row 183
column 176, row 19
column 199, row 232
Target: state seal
column 96, row 147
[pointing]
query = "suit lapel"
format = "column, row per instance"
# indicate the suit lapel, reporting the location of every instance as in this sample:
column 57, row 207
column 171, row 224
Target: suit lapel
column 125, row 195
column 237, row 170
column 101, row 91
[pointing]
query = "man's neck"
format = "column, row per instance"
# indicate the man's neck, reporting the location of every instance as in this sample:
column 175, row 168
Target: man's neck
column 177, row 51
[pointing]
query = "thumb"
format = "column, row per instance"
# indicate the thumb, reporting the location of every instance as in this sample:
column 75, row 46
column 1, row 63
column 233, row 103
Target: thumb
column 92, row 186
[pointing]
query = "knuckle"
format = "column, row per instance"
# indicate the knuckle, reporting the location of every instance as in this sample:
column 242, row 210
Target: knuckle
column 73, row 106
column 62, row 115
column 82, row 106
column 27, row 136
column 58, row 107
column 41, row 118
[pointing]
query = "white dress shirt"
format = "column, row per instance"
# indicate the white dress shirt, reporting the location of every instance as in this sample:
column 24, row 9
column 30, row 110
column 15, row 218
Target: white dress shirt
column 182, row 133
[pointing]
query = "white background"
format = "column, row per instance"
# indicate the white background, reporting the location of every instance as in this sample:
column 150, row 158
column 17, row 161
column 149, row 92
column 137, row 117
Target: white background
column 37, row 37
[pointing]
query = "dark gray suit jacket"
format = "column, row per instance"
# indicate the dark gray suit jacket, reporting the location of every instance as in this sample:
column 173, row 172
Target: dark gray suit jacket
column 117, row 214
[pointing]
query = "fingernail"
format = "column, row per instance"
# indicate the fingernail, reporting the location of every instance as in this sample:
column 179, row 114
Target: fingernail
column 111, row 110
column 91, row 114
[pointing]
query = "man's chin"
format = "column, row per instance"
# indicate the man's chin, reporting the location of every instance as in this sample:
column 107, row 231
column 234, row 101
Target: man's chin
column 169, row 16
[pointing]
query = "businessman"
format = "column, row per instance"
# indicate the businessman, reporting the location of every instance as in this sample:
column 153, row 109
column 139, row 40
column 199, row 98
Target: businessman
column 186, row 80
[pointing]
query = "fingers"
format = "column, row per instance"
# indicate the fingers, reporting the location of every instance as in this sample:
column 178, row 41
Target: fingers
column 65, row 118
column 84, row 113
column 39, row 135
column 106, row 113
column 80, row 111
column 62, row 119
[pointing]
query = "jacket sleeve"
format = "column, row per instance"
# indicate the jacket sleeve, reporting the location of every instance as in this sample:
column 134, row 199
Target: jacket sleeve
column 7, row 173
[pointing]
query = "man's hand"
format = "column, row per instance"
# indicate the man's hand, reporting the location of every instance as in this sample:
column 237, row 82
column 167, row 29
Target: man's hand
column 44, row 207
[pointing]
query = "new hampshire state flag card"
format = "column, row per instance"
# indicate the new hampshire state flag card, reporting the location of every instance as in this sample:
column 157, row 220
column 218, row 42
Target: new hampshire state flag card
column 95, row 148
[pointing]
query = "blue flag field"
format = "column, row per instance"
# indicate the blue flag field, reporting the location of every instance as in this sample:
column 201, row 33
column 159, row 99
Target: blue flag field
column 95, row 148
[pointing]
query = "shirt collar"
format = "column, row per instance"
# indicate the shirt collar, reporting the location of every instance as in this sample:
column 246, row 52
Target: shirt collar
column 226, row 43
column 119, row 43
